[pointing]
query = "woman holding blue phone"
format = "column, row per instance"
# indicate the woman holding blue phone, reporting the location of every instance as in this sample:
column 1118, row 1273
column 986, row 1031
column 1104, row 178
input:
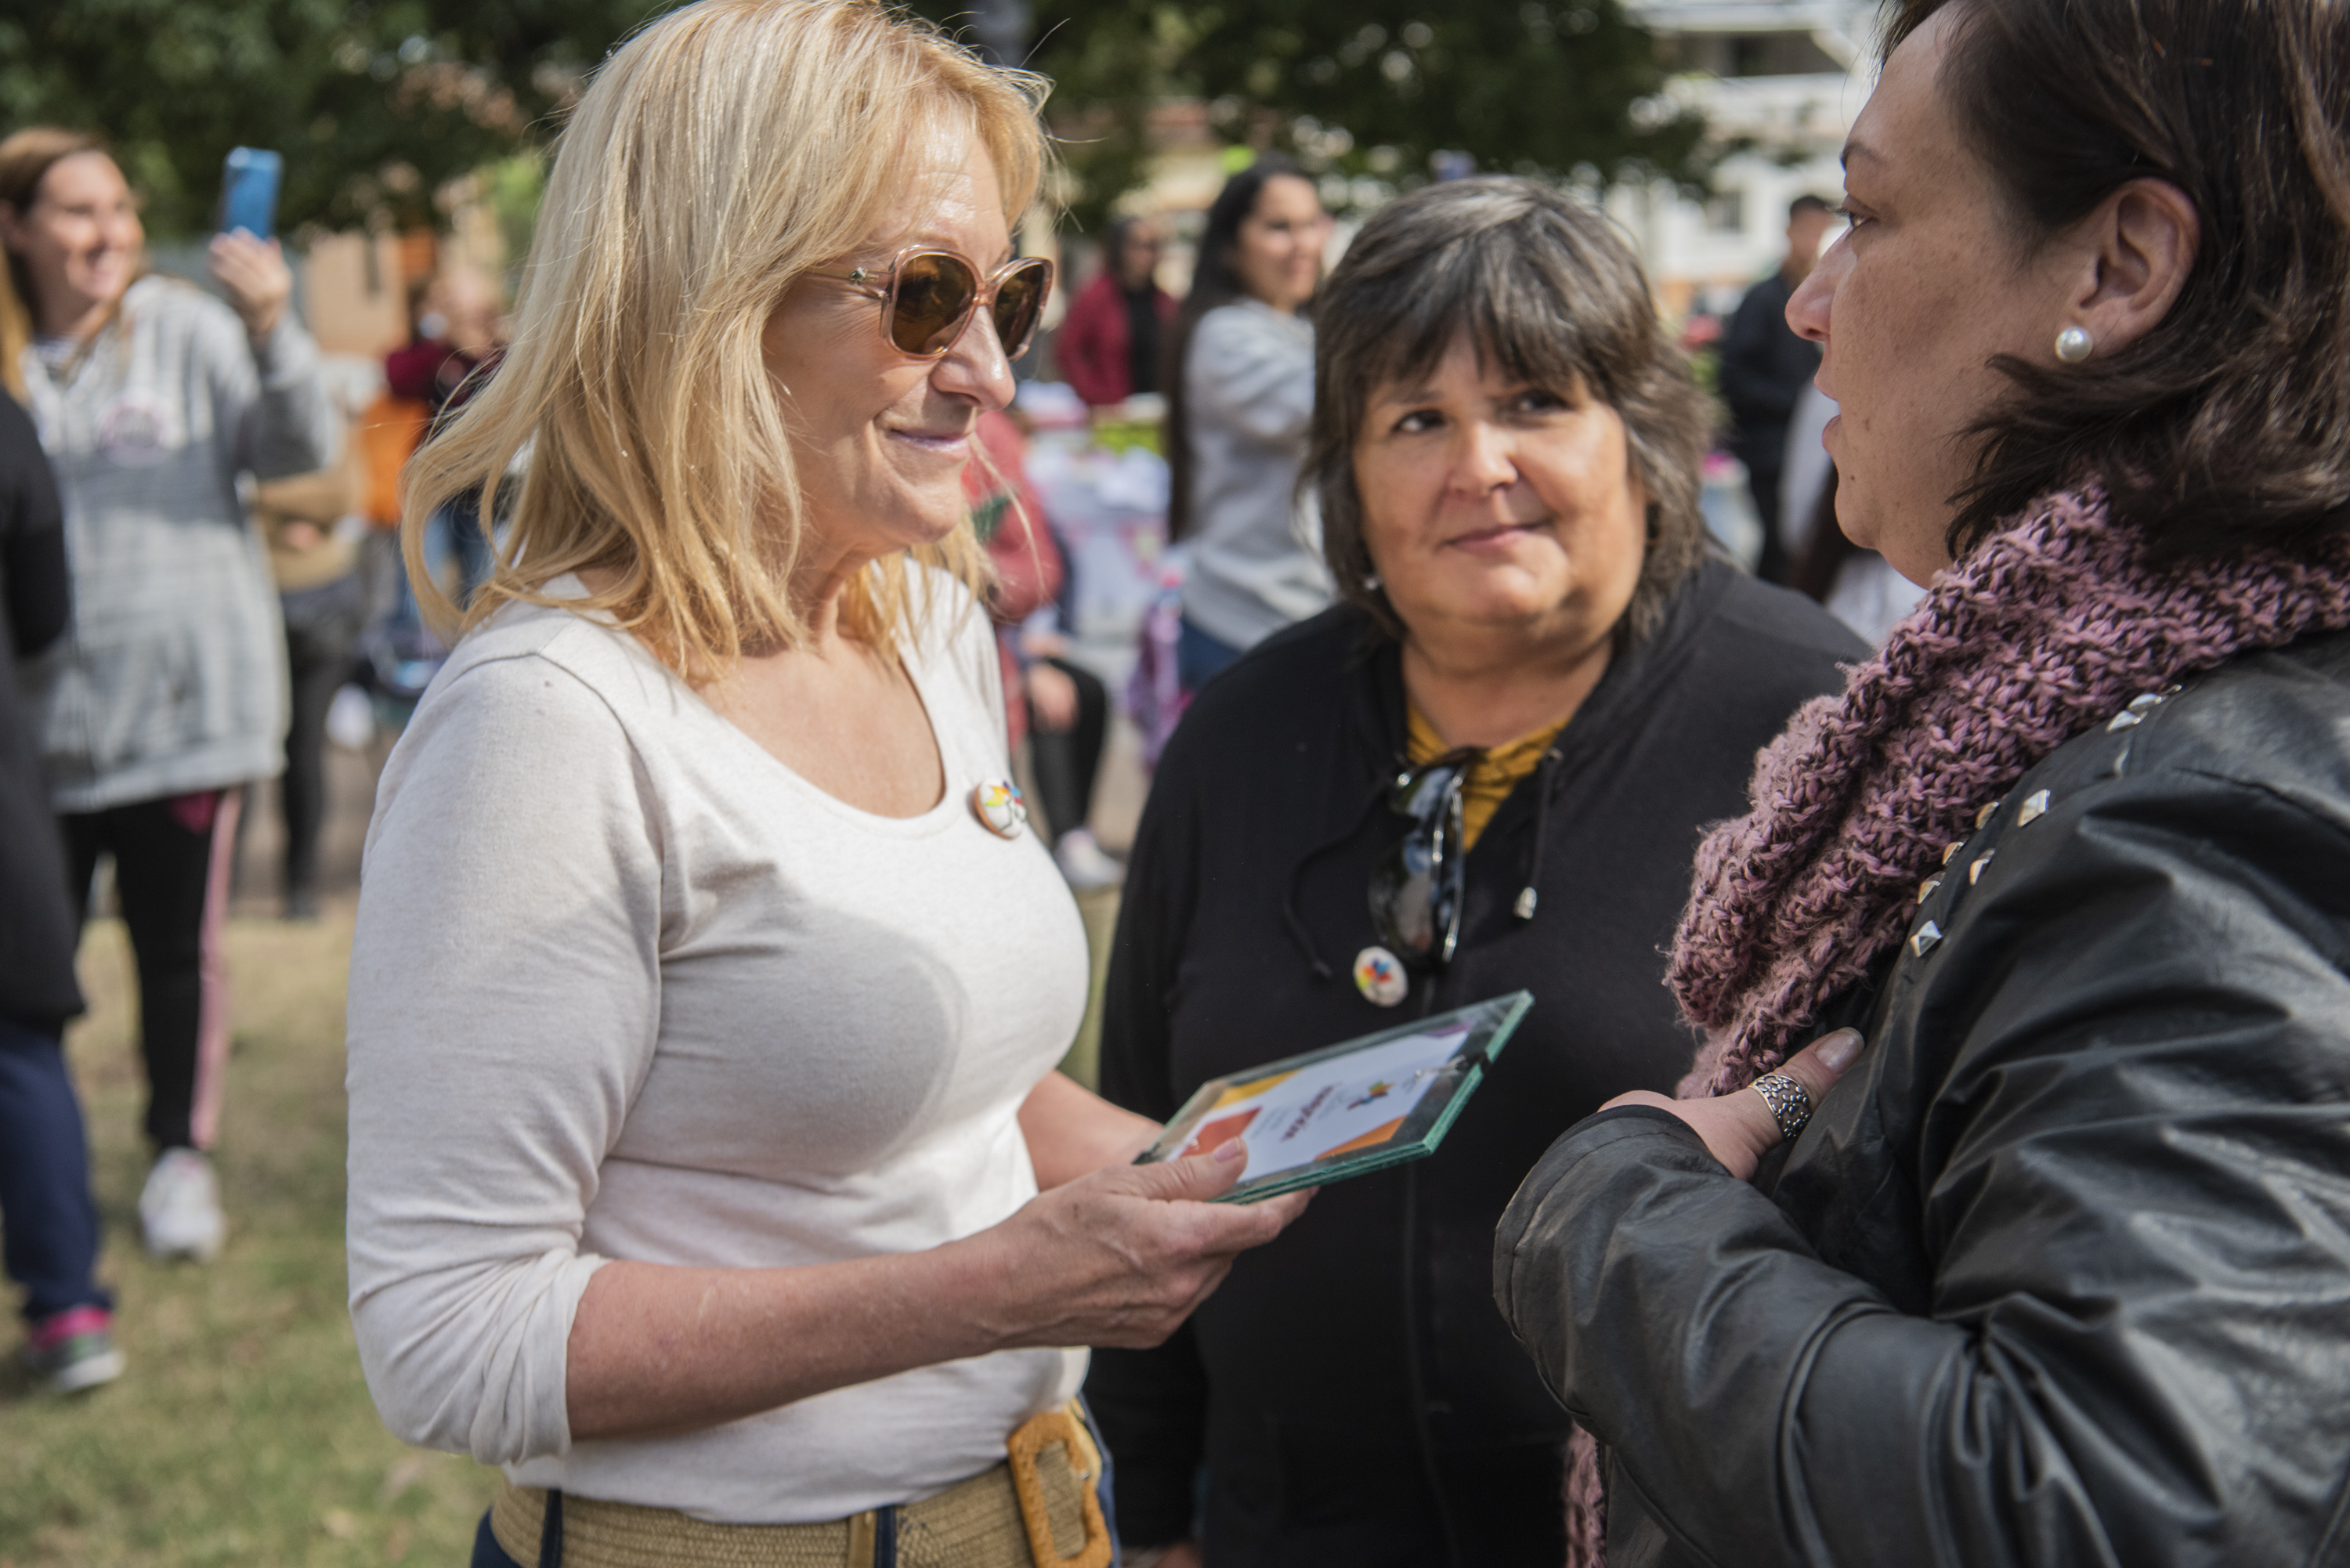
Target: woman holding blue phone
column 167, row 692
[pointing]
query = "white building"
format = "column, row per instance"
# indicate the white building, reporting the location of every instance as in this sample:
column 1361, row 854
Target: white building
column 1786, row 77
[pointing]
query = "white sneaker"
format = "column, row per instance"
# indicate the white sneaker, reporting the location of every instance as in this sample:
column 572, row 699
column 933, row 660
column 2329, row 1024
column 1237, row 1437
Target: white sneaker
column 1084, row 865
column 180, row 1209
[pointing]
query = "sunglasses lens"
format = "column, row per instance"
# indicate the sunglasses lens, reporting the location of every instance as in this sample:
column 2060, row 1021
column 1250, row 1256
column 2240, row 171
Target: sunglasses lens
column 934, row 297
column 1403, row 900
column 1018, row 303
column 1416, row 889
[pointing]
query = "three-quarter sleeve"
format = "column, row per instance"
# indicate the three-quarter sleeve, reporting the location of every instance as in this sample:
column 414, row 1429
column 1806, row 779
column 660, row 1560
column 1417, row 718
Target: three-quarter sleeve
column 505, row 1004
column 2134, row 1202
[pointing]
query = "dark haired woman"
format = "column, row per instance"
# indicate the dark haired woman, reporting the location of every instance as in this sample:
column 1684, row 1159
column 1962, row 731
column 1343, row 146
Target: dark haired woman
column 2057, row 1272
column 1507, row 453
column 1241, row 393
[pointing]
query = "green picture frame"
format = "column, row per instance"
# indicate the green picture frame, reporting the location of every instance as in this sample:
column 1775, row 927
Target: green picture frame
column 1345, row 1110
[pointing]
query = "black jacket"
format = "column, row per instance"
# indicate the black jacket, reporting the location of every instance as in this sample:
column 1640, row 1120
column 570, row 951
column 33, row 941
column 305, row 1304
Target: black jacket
column 36, row 928
column 2060, row 1271
column 1762, row 369
column 1370, row 1323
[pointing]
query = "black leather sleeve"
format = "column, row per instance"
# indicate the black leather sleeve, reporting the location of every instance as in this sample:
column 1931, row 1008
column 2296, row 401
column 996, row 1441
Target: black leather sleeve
column 2132, row 1186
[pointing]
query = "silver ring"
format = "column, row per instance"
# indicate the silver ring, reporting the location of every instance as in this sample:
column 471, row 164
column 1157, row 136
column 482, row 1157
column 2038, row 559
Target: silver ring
column 1790, row 1103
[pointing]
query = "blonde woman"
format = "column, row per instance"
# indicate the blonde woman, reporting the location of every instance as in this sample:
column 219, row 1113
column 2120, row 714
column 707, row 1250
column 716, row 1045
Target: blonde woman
column 708, row 987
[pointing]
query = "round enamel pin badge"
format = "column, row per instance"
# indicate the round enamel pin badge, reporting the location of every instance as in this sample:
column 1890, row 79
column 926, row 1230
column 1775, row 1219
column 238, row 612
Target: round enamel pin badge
column 1379, row 976
column 1000, row 808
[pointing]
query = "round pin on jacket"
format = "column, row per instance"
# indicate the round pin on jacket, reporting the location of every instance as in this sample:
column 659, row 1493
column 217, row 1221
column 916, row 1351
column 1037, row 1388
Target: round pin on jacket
column 1379, row 976
column 999, row 807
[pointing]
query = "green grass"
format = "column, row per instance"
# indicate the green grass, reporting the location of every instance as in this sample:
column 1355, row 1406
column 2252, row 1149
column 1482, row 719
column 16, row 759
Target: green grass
column 241, row 1433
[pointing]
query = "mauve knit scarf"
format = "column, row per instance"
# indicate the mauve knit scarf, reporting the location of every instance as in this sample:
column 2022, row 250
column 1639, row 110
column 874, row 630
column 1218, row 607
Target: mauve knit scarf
column 2044, row 630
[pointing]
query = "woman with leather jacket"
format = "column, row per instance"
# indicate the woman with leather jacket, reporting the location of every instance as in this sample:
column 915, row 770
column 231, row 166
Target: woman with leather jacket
column 2037, row 1253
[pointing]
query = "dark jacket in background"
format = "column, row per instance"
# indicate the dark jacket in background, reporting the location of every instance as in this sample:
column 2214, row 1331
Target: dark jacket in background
column 1358, row 1362
column 2060, row 1271
column 1764, row 368
column 36, row 924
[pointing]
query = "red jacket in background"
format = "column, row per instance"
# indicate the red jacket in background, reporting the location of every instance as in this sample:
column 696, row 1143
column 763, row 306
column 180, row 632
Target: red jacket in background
column 437, row 375
column 1095, row 341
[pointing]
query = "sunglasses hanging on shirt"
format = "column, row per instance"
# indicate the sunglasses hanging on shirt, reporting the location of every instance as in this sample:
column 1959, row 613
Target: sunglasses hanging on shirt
column 1416, row 888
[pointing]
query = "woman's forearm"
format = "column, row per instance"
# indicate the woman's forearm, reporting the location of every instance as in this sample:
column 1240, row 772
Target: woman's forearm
column 658, row 1349
column 1119, row 1257
column 1072, row 1131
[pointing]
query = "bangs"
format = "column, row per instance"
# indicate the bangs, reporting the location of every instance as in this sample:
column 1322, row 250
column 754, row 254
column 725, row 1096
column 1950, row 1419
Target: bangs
column 1522, row 305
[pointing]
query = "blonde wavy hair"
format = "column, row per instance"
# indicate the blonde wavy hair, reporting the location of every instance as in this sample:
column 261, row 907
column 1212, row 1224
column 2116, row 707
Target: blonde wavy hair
column 720, row 153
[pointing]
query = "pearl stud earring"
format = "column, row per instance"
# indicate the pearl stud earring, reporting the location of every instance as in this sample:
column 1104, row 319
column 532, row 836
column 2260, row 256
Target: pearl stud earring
column 2073, row 345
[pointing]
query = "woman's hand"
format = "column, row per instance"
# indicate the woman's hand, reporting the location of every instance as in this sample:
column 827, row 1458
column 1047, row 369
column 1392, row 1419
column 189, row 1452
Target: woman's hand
column 257, row 280
column 1739, row 1129
column 1123, row 1256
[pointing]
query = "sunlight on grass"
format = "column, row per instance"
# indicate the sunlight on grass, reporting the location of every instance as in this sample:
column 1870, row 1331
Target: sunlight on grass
column 241, row 1433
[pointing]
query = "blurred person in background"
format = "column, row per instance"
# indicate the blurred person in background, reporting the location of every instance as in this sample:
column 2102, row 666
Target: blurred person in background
column 709, row 1169
column 1111, row 341
column 1538, row 689
column 1764, row 368
column 1059, row 707
column 1241, row 393
column 46, row 1208
column 459, row 335
column 166, row 694
column 322, row 594
column 2009, row 1221
column 1856, row 585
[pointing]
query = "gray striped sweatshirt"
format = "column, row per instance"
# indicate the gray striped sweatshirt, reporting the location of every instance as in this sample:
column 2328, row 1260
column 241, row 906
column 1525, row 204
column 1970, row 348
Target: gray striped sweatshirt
column 172, row 675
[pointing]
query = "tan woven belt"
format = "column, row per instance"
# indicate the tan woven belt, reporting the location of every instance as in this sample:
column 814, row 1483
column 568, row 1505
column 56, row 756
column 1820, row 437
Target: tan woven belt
column 1036, row 1510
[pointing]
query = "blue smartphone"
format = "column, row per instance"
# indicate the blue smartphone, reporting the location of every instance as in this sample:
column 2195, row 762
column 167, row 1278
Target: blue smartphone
column 249, row 183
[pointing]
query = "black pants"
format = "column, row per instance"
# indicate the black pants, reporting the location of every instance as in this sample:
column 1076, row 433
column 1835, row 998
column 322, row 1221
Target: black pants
column 170, row 873
column 321, row 625
column 1328, row 1501
column 1067, row 761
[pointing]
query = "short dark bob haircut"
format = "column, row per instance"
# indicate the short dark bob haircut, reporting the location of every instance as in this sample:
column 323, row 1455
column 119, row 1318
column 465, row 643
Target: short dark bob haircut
column 2228, row 424
column 1544, row 289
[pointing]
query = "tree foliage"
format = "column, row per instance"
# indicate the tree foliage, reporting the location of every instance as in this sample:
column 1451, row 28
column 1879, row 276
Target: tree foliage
column 1571, row 89
column 377, row 103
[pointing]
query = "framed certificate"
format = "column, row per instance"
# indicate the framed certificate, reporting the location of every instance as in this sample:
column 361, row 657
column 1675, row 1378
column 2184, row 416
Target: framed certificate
column 1359, row 1106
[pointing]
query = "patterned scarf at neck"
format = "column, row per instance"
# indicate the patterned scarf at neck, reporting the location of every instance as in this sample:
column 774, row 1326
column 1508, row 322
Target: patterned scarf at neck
column 2044, row 630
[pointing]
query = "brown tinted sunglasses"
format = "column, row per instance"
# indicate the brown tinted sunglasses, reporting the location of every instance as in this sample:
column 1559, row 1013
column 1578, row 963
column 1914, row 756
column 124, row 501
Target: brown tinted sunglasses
column 928, row 298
